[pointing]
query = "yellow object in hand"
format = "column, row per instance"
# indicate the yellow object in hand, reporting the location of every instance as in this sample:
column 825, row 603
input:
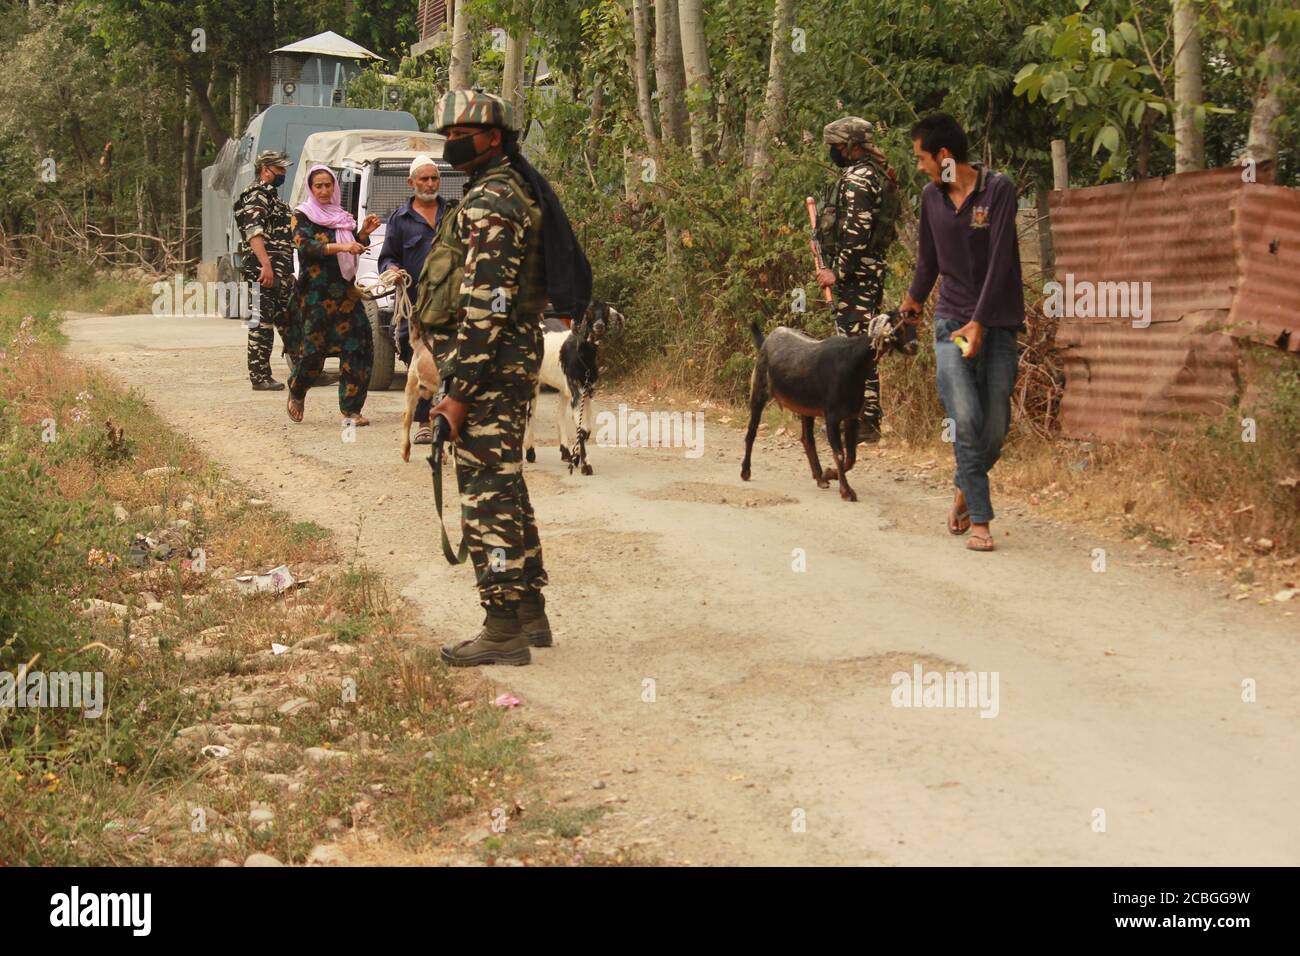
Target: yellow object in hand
column 962, row 343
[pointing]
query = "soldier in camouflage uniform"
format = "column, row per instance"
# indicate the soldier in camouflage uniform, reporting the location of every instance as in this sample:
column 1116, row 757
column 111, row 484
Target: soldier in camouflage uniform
column 480, row 298
column 850, row 238
column 266, row 258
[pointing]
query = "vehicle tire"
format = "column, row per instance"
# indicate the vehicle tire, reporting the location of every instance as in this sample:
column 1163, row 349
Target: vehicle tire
column 381, row 372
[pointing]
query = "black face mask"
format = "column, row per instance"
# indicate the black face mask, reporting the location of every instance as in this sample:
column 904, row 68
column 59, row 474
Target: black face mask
column 460, row 152
column 837, row 158
column 278, row 181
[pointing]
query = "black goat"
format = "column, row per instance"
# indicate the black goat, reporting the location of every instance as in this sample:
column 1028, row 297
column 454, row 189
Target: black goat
column 821, row 380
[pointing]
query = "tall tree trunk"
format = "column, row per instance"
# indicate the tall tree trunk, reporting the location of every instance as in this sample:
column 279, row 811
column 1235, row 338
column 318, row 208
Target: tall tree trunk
column 1189, row 153
column 512, row 76
column 1261, row 144
column 237, row 102
column 597, row 122
column 670, row 73
column 1144, row 143
column 182, row 155
column 462, row 50
column 199, row 81
column 641, row 71
column 750, row 134
column 774, row 99
column 195, row 136
column 699, row 92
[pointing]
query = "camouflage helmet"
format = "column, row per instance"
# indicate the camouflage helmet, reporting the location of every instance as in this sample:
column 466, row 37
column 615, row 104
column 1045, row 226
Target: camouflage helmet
column 271, row 157
column 474, row 108
column 846, row 130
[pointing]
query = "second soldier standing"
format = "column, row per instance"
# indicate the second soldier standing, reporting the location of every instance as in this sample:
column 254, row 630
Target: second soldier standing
column 856, row 224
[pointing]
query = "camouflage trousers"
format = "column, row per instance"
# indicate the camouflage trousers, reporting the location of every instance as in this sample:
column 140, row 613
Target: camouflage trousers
column 855, row 305
column 272, row 316
column 496, row 515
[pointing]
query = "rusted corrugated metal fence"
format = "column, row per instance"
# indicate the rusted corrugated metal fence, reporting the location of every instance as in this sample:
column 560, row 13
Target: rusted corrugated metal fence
column 1222, row 259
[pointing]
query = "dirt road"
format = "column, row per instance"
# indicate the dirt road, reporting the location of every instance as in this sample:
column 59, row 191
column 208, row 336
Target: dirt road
column 743, row 708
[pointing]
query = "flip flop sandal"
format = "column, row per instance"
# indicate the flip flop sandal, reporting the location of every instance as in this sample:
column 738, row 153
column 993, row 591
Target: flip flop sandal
column 358, row 421
column 300, row 409
column 980, row 542
column 955, row 523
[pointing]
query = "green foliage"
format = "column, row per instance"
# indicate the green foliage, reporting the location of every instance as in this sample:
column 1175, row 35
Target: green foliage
column 1106, row 71
column 1100, row 79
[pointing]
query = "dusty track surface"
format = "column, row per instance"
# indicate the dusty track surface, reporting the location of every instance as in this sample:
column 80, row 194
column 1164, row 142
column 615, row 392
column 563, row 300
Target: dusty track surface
column 1118, row 692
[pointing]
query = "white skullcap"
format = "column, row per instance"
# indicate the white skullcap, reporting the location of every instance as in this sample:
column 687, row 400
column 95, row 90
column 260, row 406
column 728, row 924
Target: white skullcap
column 421, row 161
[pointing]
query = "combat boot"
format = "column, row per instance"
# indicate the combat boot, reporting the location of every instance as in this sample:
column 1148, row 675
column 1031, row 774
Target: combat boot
column 868, row 430
column 501, row 641
column 532, row 619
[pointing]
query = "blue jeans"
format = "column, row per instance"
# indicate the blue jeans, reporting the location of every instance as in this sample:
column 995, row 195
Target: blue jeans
column 977, row 396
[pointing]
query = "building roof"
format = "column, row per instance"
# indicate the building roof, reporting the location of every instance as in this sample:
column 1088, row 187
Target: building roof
column 330, row 43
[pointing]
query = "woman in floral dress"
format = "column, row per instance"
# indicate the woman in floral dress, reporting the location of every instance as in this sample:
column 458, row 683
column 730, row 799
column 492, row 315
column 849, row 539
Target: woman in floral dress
column 333, row 319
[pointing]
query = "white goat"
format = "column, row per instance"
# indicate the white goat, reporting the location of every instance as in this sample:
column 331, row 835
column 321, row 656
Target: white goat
column 569, row 367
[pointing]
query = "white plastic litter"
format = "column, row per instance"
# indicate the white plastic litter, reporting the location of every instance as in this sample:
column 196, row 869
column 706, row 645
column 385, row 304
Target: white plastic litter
column 276, row 580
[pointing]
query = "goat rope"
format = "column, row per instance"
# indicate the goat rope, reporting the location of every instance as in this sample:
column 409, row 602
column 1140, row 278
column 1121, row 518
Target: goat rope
column 386, row 282
column 580, row 451
column 879, row 328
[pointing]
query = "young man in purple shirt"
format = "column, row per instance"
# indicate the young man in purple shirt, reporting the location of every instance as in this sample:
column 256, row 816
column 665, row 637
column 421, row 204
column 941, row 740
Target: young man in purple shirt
column 967, row 235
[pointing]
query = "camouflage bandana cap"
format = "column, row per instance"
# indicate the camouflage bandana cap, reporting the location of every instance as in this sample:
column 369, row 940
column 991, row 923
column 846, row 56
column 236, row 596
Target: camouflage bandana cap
column 272, row 157
column 846, row 130
column 474, row 108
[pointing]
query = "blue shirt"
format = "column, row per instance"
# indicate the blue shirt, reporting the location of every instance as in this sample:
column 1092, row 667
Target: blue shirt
column 408, row 238
column 975, row 249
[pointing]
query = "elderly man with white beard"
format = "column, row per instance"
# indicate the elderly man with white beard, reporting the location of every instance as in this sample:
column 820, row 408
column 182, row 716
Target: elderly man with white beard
column 407, row 239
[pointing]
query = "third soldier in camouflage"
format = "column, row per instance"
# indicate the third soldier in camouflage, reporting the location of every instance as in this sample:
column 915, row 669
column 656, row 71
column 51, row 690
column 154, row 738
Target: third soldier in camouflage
column 856, row 223
column 480, row 299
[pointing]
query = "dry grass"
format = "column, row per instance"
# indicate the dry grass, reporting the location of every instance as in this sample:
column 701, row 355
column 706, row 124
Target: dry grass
column 431, row 756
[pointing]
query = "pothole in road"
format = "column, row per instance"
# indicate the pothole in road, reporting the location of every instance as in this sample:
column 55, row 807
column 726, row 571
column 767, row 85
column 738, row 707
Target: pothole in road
column 705, row 493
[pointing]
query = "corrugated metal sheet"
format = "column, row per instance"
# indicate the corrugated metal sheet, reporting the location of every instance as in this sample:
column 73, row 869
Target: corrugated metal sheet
column 1266, row 235
column 1174, row 232
column 1197, row 238
column 431, row 16
column 1123, row 383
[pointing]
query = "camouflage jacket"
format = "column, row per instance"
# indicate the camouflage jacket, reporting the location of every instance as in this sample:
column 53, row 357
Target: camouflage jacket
column 259, row 211
column 856, row 197
column 502, row 291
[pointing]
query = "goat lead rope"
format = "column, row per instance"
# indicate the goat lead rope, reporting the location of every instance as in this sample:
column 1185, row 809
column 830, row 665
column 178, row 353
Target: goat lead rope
column 378, row 287
column 879, row 329
column 582, row 442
